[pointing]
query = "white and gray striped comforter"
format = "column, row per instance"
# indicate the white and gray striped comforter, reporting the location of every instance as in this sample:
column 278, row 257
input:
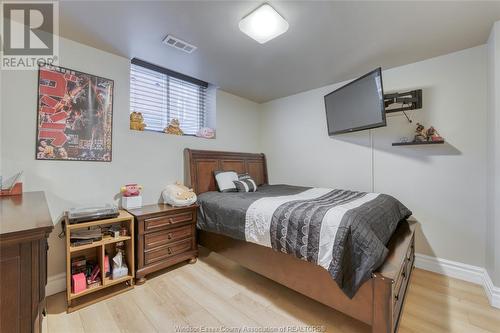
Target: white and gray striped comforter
column 345, row 232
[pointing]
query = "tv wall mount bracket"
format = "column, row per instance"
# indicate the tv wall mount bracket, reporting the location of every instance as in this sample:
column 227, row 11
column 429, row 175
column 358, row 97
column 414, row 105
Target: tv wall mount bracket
column 403, row 101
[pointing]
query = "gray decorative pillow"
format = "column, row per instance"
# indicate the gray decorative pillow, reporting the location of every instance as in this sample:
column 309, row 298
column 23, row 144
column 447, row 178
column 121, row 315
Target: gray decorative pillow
column 225, row 180
column 245, row 183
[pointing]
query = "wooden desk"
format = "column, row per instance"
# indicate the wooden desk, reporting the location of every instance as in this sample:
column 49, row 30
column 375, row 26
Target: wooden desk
column 25, row 225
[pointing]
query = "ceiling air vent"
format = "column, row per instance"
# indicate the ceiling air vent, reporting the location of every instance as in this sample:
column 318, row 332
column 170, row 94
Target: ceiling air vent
column 179, row 44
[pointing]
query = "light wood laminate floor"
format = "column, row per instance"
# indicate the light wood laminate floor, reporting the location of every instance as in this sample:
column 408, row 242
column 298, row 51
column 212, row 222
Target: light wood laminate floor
column 215, row 292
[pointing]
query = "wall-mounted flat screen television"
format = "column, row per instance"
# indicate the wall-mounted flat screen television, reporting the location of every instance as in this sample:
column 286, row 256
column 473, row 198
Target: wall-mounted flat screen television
column 357, row 106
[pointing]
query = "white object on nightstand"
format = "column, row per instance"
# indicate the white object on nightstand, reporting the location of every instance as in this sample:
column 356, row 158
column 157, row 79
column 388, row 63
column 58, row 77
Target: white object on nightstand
column 132, row 202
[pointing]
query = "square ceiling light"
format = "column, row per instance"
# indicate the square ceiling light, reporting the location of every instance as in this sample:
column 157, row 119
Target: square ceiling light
column 263, row 24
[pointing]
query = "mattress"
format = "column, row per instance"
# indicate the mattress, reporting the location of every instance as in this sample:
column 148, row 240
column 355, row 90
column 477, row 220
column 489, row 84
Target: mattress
column 224, row 213
column 343, row 231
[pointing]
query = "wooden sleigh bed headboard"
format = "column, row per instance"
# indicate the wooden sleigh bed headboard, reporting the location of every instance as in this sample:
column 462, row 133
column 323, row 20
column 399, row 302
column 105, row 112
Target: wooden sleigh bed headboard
column 200, row 165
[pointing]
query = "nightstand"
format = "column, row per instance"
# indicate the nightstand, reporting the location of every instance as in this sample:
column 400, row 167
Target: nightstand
column 164, row 236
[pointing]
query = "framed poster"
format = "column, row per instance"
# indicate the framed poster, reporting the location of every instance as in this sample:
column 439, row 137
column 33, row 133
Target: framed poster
column 75, row 115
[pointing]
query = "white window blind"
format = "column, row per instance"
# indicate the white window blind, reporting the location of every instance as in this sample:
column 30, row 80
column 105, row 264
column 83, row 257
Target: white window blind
column 162, row 95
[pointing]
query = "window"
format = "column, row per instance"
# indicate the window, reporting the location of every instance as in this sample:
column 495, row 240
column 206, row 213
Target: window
column 162, row 95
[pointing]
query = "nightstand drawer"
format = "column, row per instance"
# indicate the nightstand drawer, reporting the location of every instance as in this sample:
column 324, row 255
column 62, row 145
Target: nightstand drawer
column 160, row 238
column 165, row 236
column 155, row 223
column 165, row 251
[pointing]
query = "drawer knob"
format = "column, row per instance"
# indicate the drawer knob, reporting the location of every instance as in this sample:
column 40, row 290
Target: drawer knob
column 169, row 236
column 170, row 220
column 396, row 297
column 169, row 251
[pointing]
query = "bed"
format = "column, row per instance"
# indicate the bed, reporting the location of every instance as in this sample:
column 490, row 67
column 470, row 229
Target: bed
column 378, row 301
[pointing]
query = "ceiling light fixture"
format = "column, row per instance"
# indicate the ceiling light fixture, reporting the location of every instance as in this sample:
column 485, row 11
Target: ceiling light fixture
column 263, row 24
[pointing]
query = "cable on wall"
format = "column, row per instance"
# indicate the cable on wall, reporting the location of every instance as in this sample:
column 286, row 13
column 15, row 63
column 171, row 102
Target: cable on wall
column 372, row 162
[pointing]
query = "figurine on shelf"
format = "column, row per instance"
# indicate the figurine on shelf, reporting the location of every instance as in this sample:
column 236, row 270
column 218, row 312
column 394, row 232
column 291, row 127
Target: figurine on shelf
column 174, row 128
column 131, row 190
column 131, row 196
column 420, row 134
column 433, row 135
column 137, row 121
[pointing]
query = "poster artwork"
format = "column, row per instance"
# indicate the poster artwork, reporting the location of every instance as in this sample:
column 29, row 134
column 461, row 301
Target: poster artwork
column 75, row 115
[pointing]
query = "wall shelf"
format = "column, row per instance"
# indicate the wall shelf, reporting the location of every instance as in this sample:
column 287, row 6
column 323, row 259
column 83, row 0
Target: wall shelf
column 418, row 143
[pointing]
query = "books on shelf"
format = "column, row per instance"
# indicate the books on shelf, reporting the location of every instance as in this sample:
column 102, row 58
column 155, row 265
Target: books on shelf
column 78, row 265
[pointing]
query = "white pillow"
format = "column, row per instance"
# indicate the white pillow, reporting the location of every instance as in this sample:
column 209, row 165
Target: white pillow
column 225, row 180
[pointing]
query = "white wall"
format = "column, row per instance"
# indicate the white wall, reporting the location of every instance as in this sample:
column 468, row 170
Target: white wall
column 150, row 159
column 1, row 137
column 444, row 186
column 493, row 162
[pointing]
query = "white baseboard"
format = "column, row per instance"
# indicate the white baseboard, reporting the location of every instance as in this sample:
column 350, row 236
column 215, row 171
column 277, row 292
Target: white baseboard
column 55, row 284
column 450, row 268
column 457, row 270
column 492, row 291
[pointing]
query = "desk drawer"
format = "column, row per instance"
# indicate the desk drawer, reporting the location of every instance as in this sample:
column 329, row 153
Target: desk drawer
column 168, row 250
column 159, row 238
column 155, row 223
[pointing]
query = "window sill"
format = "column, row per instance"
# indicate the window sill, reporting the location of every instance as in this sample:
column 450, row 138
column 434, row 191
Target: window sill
column 183, row 135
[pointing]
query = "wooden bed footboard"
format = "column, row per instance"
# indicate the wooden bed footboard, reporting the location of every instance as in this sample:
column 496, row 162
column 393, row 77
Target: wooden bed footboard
column 391, row 280
column 379, row 301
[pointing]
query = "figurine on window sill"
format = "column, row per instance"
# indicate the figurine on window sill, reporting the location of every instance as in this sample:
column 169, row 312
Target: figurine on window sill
column 174, row 128
column 206, row 132
column 137, row 121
